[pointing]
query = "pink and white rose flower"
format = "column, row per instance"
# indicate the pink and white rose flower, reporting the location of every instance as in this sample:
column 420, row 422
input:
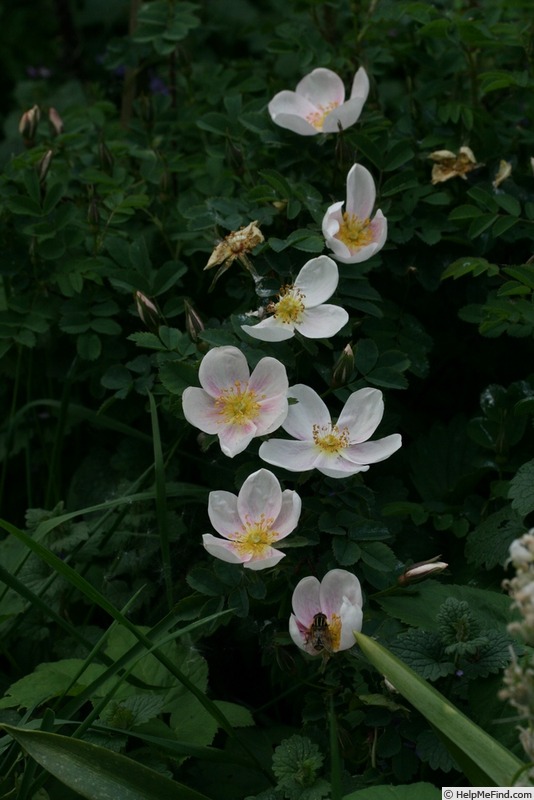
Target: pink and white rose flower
column 301, row 306
column 318, row 103
column 234, row 404
column 326, row 614
column 252, row 522
column 352, row 235
column 337, row 450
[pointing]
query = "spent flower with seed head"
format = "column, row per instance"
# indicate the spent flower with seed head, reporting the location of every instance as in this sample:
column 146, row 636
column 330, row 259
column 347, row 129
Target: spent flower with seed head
column 251, row 522
column 318, row 103
column 451, row 165
column 301, row 307
column 234, row 404
column 237, row 244
column 352, row 235
column 326, row 614
column 337, row 450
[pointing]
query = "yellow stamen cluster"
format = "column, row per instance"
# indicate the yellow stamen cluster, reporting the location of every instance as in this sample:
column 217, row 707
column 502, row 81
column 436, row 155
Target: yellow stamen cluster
column 354, row 231
column 334, row 629
column 255, row 537
column 330, row 439
column 290, row 306
column 238, row 405
column 317, row 118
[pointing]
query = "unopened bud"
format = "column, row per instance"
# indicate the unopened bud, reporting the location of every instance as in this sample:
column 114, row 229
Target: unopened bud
column 44, row 165
column 343, row 368
column 148, row 311
column 56, row 123
column 193, row 321
column 422, row 570
column 28, row 124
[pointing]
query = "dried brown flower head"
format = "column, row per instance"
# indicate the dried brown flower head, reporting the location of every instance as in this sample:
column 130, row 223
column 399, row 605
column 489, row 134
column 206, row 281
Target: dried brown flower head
column 236, row 245
column 449, row 165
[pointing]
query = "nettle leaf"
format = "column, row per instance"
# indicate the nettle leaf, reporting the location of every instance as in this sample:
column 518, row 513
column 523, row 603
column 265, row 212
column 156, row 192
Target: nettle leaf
column 521, row 490
column 491, row 657
column 419, row 608
column 432, row 751
column 487, row 545
column 424, row 652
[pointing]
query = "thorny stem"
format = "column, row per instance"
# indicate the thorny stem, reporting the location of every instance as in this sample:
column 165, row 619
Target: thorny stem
column 128, row 91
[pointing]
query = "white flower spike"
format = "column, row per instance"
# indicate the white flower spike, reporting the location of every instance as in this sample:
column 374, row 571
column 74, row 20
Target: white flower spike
column 317, row 105
column 301, row 307
column 326, row 614
column 336, row 450
column 261, row 515
column 352, row 235
column 234, row 404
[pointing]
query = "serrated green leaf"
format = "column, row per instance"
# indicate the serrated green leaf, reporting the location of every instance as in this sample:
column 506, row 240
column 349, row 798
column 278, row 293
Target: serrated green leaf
column 423, row 652
column 487, row 545
column 522, row 489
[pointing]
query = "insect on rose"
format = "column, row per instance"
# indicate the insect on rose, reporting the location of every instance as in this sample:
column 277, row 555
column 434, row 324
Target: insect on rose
column 319, row 635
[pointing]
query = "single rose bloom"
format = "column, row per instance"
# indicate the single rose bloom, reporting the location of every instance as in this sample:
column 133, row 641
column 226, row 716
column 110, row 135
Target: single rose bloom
column 251, row 522
column 234, row 404
column 352, row 235
column 318, row 103
column 301, row 307
column 337, row 450
column 326, row 614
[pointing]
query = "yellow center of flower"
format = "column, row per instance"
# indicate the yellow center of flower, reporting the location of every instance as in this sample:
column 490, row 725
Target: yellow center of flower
column 290, row 306
column 334, row 629
column 330, row 439
column 238, row 405
column 317, row 118
column 255, row 537
column 354, row 231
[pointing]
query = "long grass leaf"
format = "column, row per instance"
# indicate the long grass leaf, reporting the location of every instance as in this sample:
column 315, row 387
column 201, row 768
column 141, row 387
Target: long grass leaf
column 97, row 773
column 161, row 501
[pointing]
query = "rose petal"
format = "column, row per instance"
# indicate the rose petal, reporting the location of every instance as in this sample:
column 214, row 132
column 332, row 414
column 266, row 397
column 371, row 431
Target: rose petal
column 269, row 378
column 287, row 519
column 306, row 600
column 337, row 586
column 221, row 368
column 270, row 330
column 295, row 124
column 361, row 192
column 291, row 455
column 273, row 413
column 317, row 280
column 222, row 549
column 372, row 452
column 299, row 634
column 236, row 438
column 351, row 620
column 199, row 410
column 223, row 513
column 332, row 219
column 340, row 251
column 291, row 103
column 260, row 495
column 335, row 466
column 271, row 558
column 356, row 256
column 344, row 116
column 360, row 84
column 342, row 473
column 321, row 87
column 322, row 322
column 361, row 414
column 310, row 410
